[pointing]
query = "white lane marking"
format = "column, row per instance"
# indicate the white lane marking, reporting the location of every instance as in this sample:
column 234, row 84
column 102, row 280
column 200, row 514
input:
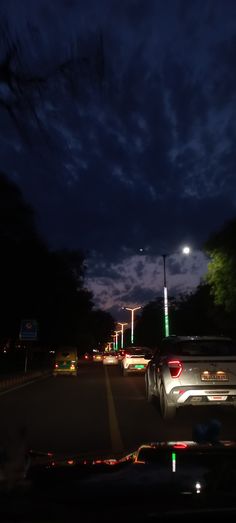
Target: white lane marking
column 116, row 439
column 23, row 385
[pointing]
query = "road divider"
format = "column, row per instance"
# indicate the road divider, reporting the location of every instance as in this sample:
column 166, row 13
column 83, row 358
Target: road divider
column 13, row 381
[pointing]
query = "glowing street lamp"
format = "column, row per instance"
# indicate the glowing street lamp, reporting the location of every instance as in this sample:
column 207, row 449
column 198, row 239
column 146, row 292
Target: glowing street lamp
column 186, row 250
column 132, row 320
column 122, row 333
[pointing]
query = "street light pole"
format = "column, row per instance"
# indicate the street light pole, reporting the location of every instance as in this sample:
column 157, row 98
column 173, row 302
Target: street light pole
column 113, row 342
column 186, row 250
column 132, row 320
column 122, row 333
column 117, row 334
column 166, row 313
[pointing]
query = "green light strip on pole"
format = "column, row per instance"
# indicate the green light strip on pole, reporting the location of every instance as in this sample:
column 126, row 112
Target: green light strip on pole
column 166, row 315
column 173, row 460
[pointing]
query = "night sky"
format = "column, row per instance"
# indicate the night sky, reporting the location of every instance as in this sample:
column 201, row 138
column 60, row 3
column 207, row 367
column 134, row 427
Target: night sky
column 121, row 133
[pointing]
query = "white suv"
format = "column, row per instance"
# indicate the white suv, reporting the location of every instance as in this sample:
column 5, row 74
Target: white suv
column 192, row 370
column 135, row 360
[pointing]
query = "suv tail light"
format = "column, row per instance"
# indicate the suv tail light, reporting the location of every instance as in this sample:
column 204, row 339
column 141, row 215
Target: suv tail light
column 175, row 367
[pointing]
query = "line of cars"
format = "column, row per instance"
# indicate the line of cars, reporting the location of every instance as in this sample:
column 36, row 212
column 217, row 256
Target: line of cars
column 132, row 360
column 185, row 370
column 107, row 358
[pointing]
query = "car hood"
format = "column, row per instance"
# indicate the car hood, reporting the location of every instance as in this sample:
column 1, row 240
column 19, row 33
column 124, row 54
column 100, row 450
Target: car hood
column 169, row 457
column 190, row 474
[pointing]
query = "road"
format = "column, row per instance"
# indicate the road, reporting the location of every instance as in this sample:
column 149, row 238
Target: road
column 100, row 413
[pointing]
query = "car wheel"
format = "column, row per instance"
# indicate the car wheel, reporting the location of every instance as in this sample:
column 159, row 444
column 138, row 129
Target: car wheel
column 167, row 411
column 149, row 396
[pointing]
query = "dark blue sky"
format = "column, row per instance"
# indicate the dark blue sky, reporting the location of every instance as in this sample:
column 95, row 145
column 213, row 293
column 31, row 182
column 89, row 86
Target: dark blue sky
column 119, row 125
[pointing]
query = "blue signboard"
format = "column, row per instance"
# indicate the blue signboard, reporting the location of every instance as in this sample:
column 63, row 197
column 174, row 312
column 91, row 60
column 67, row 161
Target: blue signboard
column 28, row 330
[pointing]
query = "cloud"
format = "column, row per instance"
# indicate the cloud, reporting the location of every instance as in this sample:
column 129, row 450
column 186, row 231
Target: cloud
column 136, row 145
column 139, row 279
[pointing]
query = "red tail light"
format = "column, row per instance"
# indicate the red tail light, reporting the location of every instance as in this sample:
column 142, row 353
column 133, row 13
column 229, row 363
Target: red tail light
column 175, row 367
column 56, row 366
column 180, row 446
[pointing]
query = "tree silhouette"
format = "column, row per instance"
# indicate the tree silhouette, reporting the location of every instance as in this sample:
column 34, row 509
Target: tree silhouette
column 24, row 86
column 221, row 248
column 38, row 283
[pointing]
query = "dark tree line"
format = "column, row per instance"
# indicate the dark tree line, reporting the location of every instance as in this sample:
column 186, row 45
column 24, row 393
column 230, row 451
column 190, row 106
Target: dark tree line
column 221, row 248
column 191, row 314
column 38, row 283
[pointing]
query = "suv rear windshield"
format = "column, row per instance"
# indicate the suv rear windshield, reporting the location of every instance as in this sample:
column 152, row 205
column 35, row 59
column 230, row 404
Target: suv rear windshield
column 201, row 348
column 65, row 354
column 139, row 351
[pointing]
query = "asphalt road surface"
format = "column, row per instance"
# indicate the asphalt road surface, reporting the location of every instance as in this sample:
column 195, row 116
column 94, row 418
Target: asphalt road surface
column 100, row 413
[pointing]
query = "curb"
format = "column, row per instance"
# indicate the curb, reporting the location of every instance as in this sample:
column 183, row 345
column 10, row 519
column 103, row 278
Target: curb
column 12, row 381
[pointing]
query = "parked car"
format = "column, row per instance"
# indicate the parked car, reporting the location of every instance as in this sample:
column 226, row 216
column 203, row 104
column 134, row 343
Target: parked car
column 135, row 360
column 192, row 370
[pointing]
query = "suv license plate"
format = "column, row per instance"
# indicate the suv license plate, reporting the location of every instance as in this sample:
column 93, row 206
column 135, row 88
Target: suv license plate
column 217, row 398
column 214, row 376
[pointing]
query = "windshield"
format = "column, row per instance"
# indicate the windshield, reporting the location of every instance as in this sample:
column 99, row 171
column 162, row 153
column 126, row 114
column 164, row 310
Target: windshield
column 117, row 224
column 65, row 355
column 136, row 351
column 203, row 348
